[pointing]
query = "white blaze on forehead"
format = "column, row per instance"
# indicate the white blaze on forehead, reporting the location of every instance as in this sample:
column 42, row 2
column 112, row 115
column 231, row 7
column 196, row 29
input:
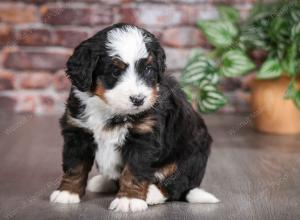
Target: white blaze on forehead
column 128, row 43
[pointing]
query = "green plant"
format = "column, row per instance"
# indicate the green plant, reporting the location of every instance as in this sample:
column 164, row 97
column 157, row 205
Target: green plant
column 228, row 59
column 273, row 27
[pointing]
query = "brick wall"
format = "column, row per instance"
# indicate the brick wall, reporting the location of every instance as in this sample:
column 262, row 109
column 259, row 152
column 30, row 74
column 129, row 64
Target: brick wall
column 37, row 36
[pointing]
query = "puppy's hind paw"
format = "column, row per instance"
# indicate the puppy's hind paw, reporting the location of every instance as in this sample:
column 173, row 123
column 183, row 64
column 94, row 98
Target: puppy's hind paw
column 198, row 195
column 155, row 196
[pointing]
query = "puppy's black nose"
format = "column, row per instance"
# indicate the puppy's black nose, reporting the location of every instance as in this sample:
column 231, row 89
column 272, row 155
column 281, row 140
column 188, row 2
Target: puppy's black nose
column 137, row 100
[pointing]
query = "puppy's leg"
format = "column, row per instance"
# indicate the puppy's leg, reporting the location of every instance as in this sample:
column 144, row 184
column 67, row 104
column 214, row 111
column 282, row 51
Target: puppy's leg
column 78, row 157
column 157, row 194
column 184, row 182
column 132, row 193
column 72, row 185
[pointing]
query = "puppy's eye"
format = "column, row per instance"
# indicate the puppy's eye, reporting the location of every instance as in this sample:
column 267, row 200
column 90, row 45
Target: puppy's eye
column 149, row 70
column 150, row 74
column 116, row 73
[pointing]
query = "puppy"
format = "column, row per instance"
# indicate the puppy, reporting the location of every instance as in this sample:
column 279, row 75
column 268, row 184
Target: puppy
column 125, row 114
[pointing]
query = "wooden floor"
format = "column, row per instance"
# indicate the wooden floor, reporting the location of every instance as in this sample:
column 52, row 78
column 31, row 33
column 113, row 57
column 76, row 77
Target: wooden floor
column 255, row 176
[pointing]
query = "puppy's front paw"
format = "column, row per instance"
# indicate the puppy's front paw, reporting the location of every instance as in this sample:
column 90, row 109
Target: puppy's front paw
column 64, row 197
column 125, row 204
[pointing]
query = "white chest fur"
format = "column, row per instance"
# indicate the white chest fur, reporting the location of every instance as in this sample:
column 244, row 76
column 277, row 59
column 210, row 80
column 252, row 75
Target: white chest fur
column 109, row 141
column 108, row 155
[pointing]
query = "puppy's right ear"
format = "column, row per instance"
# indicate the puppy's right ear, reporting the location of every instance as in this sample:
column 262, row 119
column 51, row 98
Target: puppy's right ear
column 80, row 67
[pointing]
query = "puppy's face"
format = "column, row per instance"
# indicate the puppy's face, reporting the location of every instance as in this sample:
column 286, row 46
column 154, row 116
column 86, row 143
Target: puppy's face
column 127, row 79
column 127, row 73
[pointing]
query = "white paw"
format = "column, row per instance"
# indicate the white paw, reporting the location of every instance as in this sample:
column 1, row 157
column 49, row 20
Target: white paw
column 125, row 204
column 154, row 195
column 198, row 195
column 102, row 184
column 64, row 197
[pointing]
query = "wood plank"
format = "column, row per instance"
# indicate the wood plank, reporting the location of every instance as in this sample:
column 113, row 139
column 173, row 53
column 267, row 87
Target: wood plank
column 256, row 176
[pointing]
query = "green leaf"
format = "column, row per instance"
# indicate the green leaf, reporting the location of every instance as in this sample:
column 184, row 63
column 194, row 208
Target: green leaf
column 210, row 99
column 270, row 69
column 296, row 32
column 235, row 63
column 295, row 15
column 296, row 99
column 253, row 38
column 190, row 94
column 279, row 29
column 198, row 68
column 289, row 64
column 291, row 90
column 219, row 33
column 228, row 13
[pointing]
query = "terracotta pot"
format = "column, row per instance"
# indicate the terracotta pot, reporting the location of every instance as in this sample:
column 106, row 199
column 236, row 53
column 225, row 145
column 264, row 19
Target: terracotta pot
column 272, row 113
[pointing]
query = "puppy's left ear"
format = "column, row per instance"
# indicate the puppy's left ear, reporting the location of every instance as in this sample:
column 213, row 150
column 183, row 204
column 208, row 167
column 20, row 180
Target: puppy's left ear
column 160, row 57
column 80, row 67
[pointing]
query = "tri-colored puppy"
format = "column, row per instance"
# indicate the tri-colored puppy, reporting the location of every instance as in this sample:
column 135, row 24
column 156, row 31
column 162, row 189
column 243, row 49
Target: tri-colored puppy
column 125, row 114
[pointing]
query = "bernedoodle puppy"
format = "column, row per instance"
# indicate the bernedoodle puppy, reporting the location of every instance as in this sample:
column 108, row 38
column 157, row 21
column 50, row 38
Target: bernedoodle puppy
column 130, row 118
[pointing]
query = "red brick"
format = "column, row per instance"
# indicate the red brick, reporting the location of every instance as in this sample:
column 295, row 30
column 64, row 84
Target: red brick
column 244, row 8
column 6, row 80
column 38, row 80
column 183, row 37
column 47, row 102
column 166, row 15
column 61, row 82
column 26, row 103
column 113, row 2
column 158, row 15
column 38, row 2
column 17, row 13
column 6, row 35
column 50, row 37
column 127, row 15
column 69, row 38
column 228, row 1
column 102, row 2
column 43, row 59
column 33, row 36
column 52, row 103
column 193, row 13
column 176, row 58
column 71, row 15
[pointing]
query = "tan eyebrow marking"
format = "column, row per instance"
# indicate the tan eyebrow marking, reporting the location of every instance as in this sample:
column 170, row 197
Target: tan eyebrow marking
column 100, row 91
column 119, row 63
